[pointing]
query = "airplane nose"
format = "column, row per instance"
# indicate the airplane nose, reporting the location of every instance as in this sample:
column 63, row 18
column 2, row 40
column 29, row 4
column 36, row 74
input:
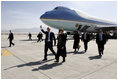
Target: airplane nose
column 45, row 15
column 42, row 16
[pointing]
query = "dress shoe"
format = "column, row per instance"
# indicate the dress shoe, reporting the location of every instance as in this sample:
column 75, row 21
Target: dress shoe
column 63, row 61
column 44, row 59
column 13, row 44
column 56, row 61
column 102, row 52
column 100, row 55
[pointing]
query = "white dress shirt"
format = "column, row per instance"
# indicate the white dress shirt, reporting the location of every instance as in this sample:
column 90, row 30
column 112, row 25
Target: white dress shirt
column 48, row 36
column 85, row 36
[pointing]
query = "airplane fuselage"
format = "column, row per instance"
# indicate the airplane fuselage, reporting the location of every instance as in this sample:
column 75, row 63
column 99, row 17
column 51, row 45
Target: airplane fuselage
column 62, row 17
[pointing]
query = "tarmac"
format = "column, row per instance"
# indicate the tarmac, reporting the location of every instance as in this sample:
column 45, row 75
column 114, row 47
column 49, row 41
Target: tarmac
column 24, row 61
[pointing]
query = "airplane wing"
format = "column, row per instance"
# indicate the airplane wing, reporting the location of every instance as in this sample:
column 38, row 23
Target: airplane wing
column 106, row 28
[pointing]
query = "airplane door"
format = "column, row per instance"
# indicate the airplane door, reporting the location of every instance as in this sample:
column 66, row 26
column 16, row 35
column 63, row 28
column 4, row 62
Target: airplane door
column 78, row 26
column 84, row 28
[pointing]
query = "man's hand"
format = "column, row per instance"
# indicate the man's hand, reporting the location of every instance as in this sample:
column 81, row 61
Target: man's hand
column 41, row 26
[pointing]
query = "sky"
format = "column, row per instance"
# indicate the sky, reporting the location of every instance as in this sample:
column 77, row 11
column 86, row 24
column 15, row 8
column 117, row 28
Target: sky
column 26, row 14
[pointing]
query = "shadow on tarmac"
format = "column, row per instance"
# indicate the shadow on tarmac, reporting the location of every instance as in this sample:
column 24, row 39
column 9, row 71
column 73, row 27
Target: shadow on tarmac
column 29, row 40
column 33, row 40
column 47, row 66
column 76, row 52
column 95, row 57
column 81, row 52
column 29, row 64
column 50, row 54
column 4, row 46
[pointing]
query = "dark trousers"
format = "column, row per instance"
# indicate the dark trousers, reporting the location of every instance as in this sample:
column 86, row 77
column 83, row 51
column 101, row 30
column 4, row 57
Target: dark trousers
column 85, row 45
column 100, row 47
column 39, row 39
column 61, row 52
column 58, row 55
column 48, row 45
column 30, row 38
column 10, row 42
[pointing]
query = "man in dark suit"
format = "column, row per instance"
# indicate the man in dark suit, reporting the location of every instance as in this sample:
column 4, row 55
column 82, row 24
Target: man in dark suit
column 11, row 37
column 85, row 39
column 39, row 36
column 101, row 41
column 30, row 36
column 49, row 42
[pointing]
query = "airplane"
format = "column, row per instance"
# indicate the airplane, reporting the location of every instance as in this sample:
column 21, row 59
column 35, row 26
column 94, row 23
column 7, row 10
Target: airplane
column 72, row 19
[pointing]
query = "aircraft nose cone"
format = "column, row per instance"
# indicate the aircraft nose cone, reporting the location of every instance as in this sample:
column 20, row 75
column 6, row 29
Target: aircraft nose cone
column 45, row 15
column 42, row 16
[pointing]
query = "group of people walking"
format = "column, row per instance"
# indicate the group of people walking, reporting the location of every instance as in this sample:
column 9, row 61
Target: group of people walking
column 39, row 36
column 61, row 45
column 85, row 38
column 101, row 40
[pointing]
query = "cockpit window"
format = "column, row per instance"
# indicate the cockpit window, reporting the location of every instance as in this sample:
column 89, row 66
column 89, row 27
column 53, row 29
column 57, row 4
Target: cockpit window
column 61, row 8
column 56, row 8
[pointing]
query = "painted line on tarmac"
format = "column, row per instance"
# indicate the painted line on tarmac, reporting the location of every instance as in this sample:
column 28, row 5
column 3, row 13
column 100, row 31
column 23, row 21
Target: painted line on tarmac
column 5, row 52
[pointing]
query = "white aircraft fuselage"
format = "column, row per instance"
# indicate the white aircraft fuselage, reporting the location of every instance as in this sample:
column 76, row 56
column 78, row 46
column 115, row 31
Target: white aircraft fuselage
column 66, row 18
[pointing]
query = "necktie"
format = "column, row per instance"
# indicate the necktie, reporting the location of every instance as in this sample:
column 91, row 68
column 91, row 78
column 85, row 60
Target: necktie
column 100, row 37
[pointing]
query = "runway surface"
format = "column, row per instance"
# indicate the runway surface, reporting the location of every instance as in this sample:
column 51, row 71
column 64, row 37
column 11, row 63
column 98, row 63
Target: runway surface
column 24, row 61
